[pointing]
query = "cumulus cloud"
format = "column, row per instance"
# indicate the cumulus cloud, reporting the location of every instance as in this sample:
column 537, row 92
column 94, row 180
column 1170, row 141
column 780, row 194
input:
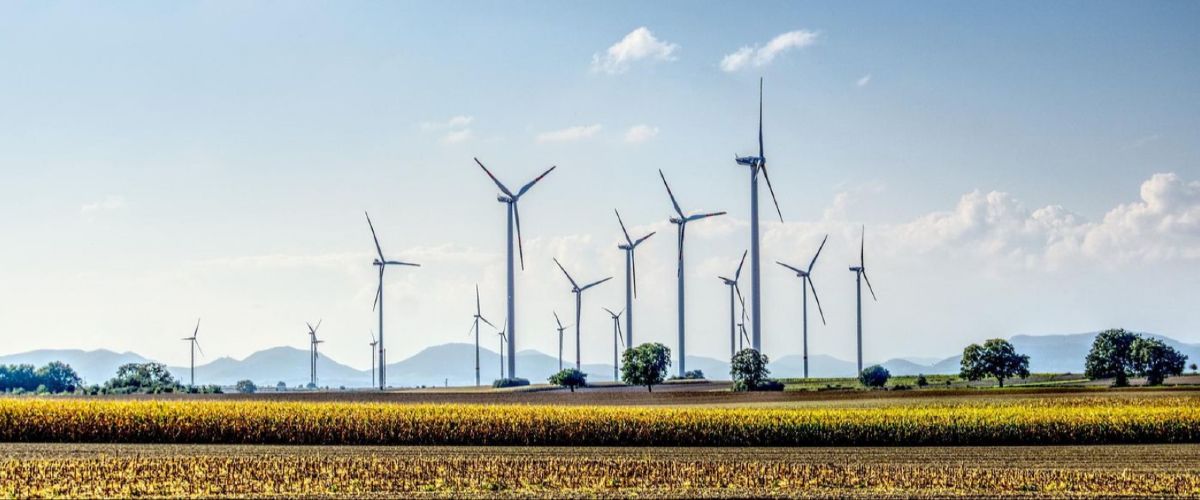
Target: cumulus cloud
column 862, row 82
column 640, row 133
column 569, row 134
column 639, row 45
column 763, row 55
column 109, row 204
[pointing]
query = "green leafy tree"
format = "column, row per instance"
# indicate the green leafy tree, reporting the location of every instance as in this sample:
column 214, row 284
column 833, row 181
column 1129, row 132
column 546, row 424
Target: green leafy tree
column 246, row 387
column 995, row 358
column 1110, row 357
column 921, row 380
column 569, row 378
column 57, row 376
column 646, row 365
column 874, row 376
column 143, row 378
column 1193, row 367
column 1155, row 360
column 748, row 369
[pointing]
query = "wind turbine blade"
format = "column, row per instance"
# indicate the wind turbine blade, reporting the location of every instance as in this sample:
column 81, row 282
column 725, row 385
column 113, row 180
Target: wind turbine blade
column 704, row 216
column 609, row 311
column 623, row 230
column 672, row 195
column 399, row 263
column 494, row 179
column 633, row 263
column 483, row 319
column 565, row 273
column 197, row 330
column 682, row 233
column 556, row 320
column 310, row 328
column 378, row 291
column 813, row 287
column 868, row 280
column 738, row 274
column 643, row 238
column 862, row 249
column 375, row 237
column 620, row 335
column 770, row 188
column 818, row 254
column 761, row 153
column 478, row 307
column 790, row 267
column 198, row 347
column 520, row 242
column 318, row 326
column 595, row 283
column 535, row 181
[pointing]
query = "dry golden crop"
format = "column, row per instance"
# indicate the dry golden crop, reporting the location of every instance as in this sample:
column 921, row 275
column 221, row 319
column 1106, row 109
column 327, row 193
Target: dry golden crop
column 1080, row 420
column 204, row 471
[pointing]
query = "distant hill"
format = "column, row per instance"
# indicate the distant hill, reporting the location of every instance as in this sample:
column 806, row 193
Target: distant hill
column 454, row 364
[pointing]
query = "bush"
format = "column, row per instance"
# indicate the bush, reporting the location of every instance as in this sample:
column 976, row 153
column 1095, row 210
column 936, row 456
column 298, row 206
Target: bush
column 921, row 382
column 901, row 387
column 569, row 378
column 769, row 385
column 645, row 365
column 509, row 382
column 691, row 375
column 748, row 369
column 246, row 387
column 874, row 376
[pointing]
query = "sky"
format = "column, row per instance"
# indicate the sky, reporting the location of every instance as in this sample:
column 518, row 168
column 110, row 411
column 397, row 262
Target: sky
column 1019, row 169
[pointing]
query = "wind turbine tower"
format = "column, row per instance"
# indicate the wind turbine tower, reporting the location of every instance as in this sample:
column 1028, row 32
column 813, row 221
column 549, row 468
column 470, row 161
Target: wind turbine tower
column 681, row 221
column 757, row 164
column 513, row 218
column 806, row 283
column 382, row 263
column 578, row 291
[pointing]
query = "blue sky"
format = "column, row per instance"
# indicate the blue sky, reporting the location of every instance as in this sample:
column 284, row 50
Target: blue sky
column 1021, row 168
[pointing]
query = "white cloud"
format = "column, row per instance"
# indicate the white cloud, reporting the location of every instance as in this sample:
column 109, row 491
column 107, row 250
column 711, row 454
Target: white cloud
column 761, row 56
column 109, row 203
column 457, row 136
column 640, row 133
column 640, row 44
column 862, row 82
column 457, row 129
column 569, row 134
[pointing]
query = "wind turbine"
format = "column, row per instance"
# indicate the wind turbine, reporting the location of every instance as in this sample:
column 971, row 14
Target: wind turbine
column 733, row 287
column 478, row 317
column 682, row 221
column 805, row 276
column 756, row 164
column 382, row 263
column 630, row 275
column 860, row 274
column 195, row 345
column 514, row 216
column 502, row 339
column 743, row 338
column 312, row 352
column 616, row 317
column 578, row 291
column 373, row 344
column 560, row 339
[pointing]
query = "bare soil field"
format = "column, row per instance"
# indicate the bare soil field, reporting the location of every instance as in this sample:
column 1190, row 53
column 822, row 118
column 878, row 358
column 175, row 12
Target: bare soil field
column 552, row 472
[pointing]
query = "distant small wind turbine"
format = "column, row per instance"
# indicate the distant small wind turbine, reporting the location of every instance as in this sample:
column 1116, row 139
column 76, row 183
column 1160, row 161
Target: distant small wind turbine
column 373, row 344
column 513, row 217
column 733, row 288
column 805, row 276
column 382, row 263
column 560, row 339
column 860, row 275
column 681, row 221
column 616, row 317
column 502, row 339
column 629, row 247
column 194, row 345
column 477, row 318
column 578, row 291
column 312, row 352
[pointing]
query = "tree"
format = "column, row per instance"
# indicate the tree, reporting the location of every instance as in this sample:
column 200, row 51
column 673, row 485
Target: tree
column 1193, row 367
column 143, row 378
column 246, row 387
column 280, row 387
column 874, row 376
column 995, row 358
column 1110, row 357
column 921, row 380
column 748, row 369
column 645, row 365
column 58, row 377
column 569, row 378
column 1155, row 360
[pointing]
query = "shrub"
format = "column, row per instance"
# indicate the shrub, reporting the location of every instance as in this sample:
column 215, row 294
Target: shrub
column 874, row 376
column 569, row 378
column 748, row 369
column 769, row 385
column 691, row 375
column 510, row 382
column 645, row 365
column 921, row 382
column 246, row 387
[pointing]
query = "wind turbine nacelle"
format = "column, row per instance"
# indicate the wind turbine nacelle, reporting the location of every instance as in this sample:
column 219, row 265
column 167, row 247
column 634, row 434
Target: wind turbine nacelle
column 503, row 199
column 676, row 220
column 856, row 269
column 749, row 161
column 623, row 246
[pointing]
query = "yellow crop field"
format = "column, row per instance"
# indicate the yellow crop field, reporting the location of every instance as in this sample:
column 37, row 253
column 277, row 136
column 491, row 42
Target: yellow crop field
column 39, row 470
column 1062, row 420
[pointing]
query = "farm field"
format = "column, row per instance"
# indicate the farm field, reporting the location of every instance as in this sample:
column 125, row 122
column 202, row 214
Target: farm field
column 107, row 470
